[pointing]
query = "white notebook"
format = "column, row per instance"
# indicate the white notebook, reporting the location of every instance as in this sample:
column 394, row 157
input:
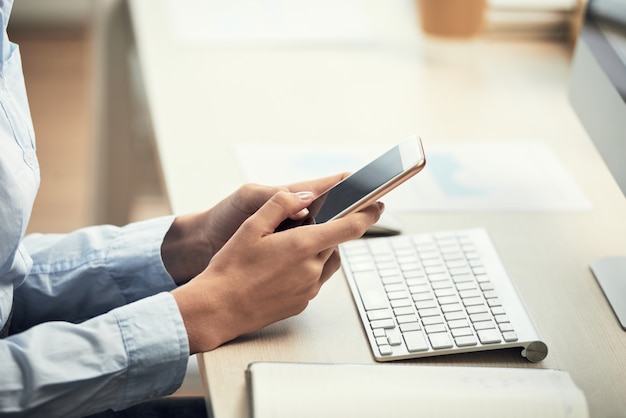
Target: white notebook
column 281, row 390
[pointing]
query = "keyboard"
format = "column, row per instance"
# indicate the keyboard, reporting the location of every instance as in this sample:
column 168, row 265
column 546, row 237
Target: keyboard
column 437, row 293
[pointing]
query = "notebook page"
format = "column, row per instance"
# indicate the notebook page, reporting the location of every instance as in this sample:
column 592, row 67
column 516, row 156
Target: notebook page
column 313, row 390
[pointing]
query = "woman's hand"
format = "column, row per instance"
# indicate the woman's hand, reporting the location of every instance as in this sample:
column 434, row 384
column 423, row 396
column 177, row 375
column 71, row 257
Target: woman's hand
column 260, row 276
column 193, row 239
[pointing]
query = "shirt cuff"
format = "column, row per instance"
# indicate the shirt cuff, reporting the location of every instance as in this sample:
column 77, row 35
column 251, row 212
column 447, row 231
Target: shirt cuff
column 157, row 346
column 135, row 259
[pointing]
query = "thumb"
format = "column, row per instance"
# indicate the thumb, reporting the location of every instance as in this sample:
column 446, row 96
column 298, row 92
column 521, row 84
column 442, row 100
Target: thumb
column 281, row 206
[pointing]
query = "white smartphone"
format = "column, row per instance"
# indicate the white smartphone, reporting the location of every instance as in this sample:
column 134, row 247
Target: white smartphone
column 366, row 185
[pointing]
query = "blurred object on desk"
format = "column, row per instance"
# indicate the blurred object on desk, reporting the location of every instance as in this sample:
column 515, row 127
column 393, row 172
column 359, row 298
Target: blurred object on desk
column 452, row 18
column 536, row 19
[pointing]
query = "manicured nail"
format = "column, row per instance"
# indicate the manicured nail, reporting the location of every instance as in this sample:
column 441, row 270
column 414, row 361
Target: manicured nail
column 302, row 214
column 305, row 196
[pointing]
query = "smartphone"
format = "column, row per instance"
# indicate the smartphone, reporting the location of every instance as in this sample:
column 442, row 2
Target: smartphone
column 366, row 185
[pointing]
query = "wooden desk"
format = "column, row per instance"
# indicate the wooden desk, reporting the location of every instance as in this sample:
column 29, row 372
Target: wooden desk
column 203, row 100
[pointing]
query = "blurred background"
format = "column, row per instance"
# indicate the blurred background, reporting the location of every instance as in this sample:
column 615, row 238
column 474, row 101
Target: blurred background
column 63, row 45
column 80, row 106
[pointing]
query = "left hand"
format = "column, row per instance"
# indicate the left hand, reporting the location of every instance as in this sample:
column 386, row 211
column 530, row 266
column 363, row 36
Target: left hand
column 193, row 239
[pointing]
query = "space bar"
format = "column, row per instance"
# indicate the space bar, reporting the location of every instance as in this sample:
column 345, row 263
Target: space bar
column 371, row 290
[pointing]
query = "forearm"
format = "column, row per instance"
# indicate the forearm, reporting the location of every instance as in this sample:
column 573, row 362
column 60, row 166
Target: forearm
column 129, row 355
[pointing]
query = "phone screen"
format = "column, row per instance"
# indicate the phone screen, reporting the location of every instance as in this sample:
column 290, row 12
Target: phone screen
column 356, row 186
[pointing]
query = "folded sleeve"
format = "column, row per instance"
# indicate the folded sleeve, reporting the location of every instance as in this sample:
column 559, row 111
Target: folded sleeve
column 88, row 272
column 59, row 369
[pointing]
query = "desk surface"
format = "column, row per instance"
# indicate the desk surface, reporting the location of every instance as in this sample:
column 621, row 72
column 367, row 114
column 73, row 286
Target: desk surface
column 203, row 100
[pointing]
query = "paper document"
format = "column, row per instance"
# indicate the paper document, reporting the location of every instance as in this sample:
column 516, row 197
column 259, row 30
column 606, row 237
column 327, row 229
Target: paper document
column 462, row 176
column 305, row 390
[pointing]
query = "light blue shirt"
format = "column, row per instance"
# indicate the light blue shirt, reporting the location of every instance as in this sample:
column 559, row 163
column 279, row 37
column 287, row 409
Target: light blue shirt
column 93, row 325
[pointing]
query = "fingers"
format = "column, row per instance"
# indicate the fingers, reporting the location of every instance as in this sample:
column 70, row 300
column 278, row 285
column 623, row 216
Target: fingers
column 332, row 264
column 280, row 207
column 352, row 226
column 318, row 186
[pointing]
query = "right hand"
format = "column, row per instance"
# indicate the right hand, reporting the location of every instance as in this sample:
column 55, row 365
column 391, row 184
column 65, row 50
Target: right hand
column 260, row 277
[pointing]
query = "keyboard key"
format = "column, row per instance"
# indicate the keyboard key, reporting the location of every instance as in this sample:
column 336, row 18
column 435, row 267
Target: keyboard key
column 415, row 341
column 404, row 310
column 489, row 336
column 458, row 323
column 477, row 309
column 442, row 284
column 379, row 332
column 460, row 271
column 394, row 287
column 452, row 307
column 435, row 270
column 418, row 297
column 501, row 318
column 473, row 301
column 456, row 263
column 484, row 325
column 431, row 320
column 419, row 288
column 383, row 323
column 486, row 286
column 440, row 340
column 505, row 327
column 447, row 300
column 466, row 341
column 393, row 279
column 425, row 304
column 428, row 312
column 399, row 303
column 382, row 341
column 394, row 338
column 469, row 293
column 477, row 317
column 438, row 277
column 463, row 278
column 448, row 291
column 431, row 329
column 410, row 326
column 497, row 310
column 509, row 336
column 452, row 316
column 371, row 290
column 385, row 350
column 461, row 332
column 397, row 295
column 467, row 285
column 403, row 319
column 379, row 314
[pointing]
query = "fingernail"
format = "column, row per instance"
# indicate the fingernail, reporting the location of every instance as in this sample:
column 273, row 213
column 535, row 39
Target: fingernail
column 305, row 196
column 381, row 206
column 302, row 214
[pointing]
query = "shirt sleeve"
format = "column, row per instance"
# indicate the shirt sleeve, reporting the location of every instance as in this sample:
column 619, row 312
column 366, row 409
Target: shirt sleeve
column 94, row 326
column 115, row 360
column 79, row 275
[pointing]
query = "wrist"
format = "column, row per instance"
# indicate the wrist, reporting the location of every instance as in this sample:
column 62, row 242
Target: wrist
column 205, row 316
column 185, row 251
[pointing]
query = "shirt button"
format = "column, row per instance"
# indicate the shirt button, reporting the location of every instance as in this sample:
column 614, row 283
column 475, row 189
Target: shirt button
column 30, row 157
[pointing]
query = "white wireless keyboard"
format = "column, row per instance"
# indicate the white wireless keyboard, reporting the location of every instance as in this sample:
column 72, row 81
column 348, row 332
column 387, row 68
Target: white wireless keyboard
column 434, row 294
